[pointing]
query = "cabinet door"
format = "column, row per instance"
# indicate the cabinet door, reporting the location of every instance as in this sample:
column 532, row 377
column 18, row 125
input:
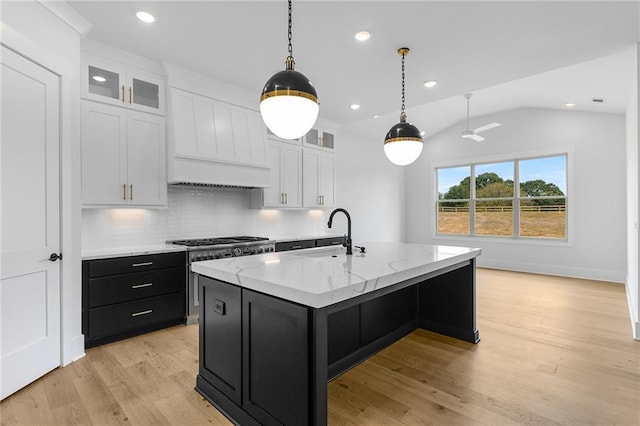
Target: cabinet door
column 310, row 194
column 275, row 365
column 326, row 179
column 221, row 336
column 104, row 174
column 103, row 81
column 145, row 92
column 146, row 169
column 292, row 175
column 272, row 196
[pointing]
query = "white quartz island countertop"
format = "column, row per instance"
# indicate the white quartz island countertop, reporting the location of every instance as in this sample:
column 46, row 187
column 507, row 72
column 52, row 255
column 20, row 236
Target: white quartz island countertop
column 319, row 277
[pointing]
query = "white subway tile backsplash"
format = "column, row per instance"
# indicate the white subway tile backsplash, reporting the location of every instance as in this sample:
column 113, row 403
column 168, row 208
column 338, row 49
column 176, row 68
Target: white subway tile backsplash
column 194, row 213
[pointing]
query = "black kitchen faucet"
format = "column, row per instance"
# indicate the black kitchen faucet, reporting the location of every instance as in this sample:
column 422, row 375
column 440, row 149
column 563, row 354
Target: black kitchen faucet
column 347, row 243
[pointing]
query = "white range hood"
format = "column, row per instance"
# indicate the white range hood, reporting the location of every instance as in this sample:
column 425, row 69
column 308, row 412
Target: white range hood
column 215, row 138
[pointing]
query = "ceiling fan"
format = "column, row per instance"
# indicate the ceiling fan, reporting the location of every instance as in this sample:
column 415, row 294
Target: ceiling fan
column 473, row 134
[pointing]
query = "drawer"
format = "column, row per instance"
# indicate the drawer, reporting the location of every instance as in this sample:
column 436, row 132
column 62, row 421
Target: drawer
column 333, row 241
column 124, row 288
column 295, row 245
column 131, row 315
column 130, row 264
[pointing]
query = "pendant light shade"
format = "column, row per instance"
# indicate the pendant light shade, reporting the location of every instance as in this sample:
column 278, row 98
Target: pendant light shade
column 289, row 102
column 403, row 143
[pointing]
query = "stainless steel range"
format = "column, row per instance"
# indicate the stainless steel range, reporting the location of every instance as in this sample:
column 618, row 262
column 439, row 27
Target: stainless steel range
column 216, row 248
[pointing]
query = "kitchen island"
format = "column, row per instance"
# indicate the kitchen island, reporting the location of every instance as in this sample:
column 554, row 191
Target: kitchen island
column 274, row 328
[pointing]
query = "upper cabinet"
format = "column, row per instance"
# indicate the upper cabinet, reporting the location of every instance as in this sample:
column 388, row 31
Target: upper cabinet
column 116, row 84
column 320, row 138
column 123, row 157
column 286, row 176
column 318, row 179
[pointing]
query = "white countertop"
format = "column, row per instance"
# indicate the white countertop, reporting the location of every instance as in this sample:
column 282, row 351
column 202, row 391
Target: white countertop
column 319, row 277
column 105, row 253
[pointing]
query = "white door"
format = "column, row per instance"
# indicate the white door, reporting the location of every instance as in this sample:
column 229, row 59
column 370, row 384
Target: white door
column 326, row 177
column 146, row 163
column 30, row 230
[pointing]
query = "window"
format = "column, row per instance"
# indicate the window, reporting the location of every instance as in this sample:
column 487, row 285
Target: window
column 523, row 198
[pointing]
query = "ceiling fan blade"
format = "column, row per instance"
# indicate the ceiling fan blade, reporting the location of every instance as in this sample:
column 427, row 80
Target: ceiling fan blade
column 477, row 138
column 486, row 127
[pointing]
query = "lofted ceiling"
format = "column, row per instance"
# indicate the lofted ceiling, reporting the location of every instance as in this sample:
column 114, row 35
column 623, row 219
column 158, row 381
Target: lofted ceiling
column 509, row 53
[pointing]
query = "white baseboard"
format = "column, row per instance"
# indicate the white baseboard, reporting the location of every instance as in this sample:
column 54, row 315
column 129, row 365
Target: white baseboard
column 558, row 270
column 76, row 350
column 633, row 315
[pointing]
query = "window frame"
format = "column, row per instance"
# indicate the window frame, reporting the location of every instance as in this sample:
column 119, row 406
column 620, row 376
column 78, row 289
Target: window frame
column 516, row 199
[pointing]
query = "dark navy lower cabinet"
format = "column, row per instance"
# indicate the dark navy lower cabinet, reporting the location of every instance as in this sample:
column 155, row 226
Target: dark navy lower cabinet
column 221, row 323
column 267, row 361
column 275, row 360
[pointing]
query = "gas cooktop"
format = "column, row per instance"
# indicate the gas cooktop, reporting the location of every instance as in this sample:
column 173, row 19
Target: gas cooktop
column 196, row 242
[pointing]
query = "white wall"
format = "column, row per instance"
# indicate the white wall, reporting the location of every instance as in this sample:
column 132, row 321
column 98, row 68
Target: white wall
column 596, row 142
column 633, row 190
column 370, row 187
column 49, row 33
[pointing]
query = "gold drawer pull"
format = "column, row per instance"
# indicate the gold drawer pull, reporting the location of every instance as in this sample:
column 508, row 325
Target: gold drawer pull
column 142, row 264
column 142, row 313
column 142, row 285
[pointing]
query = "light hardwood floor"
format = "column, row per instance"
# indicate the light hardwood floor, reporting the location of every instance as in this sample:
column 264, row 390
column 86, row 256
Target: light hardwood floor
column 553, row 350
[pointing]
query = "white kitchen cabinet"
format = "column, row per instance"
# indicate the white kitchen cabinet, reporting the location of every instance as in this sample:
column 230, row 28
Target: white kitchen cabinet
column 319, row 138
column 116, row 84
column 318, row 179
column 123, row 157
column 286, row 177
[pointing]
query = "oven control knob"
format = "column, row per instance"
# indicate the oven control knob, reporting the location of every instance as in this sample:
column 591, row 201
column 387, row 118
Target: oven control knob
column 261, row 250
column 237, row 252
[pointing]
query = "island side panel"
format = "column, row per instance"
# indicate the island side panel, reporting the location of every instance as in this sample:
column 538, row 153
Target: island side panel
column 275, row 360
column 447, row 303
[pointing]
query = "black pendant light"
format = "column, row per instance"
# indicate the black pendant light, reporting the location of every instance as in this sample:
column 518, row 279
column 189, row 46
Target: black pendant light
column 289, row 102
column 403, row 143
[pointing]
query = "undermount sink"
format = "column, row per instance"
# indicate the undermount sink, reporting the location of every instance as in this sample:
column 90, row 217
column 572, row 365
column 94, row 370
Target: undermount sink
column 318, row 252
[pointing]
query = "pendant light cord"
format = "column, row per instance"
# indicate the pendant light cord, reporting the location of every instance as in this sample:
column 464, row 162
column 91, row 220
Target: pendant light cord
column 289, row 62
column 403, row 115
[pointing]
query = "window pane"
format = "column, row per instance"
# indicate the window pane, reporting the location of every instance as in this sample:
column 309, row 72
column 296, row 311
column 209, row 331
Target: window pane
column 454, row 183
column 453, row 217
column 540, row 177
column 543, row 218
column 494, row 217
column 494, row 180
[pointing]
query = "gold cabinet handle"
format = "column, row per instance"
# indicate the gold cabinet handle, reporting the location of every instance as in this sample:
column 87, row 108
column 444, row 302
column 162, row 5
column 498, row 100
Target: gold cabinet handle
column 123, row 93
column 131, row 192
column 286, row 198
column 130, row 94
column 124, row 191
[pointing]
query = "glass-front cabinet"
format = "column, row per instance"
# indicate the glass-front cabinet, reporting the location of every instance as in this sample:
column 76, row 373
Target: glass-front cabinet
column 319, row 138
column 110, row 82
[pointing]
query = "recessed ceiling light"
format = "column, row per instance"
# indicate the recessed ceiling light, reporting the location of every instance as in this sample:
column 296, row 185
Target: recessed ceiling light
column 569, row 104
column 430, row 83
column 355, row 106
column 99, row 78
column 376, row 116
column 422, row 133
column 146, row 17
column 363, row 35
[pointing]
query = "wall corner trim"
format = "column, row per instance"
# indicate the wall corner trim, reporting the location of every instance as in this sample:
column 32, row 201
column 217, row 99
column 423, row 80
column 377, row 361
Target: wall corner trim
column 68, row 15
